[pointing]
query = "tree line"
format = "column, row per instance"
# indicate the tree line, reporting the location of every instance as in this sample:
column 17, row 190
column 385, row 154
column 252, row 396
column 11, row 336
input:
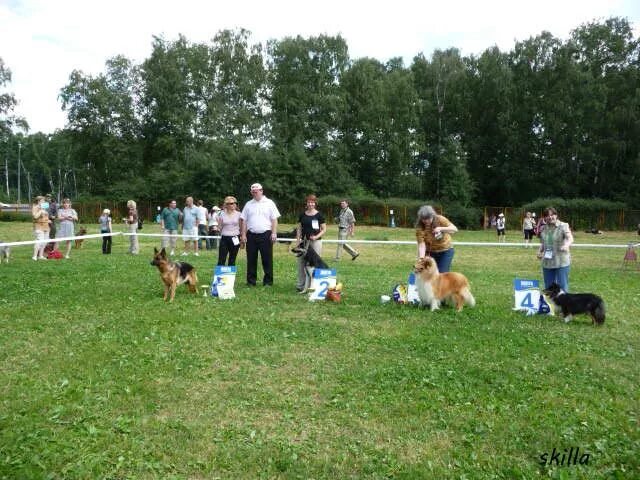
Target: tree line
column 549, row 118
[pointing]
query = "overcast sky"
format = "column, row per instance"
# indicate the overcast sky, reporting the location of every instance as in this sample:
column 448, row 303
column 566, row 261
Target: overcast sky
column 42, row 41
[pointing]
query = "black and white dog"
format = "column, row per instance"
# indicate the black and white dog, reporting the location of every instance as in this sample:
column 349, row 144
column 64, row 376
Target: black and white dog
column 574, row 303
column 311, row 260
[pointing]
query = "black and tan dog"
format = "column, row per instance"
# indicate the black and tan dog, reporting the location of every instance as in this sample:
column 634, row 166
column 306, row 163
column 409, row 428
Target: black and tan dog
column 174, row 274
column 311, row 260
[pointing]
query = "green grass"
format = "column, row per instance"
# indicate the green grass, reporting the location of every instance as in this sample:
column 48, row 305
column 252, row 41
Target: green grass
column 100, row 378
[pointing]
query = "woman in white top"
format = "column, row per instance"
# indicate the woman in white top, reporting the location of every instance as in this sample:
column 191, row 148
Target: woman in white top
column 528, row 225
column 229, row 224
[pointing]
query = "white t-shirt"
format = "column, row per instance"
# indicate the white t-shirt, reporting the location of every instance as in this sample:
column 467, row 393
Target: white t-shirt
column 259, row 215
column 202, row 217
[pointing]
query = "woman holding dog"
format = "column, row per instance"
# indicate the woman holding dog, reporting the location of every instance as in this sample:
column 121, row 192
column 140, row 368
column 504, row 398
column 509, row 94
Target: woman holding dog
column 228, row 224
column 40, row 227
column 555, row 240
column 433, row 234
column 311, row 227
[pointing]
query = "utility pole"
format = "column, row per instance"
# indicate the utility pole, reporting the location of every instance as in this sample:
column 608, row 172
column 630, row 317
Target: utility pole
column 6, row 169
column 19, row 148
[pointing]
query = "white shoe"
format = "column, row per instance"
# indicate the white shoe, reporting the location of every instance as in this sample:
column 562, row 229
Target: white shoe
column 197, row 254
column 184, row 254
column 34, row 258
column 172, row 253
column 67, row 257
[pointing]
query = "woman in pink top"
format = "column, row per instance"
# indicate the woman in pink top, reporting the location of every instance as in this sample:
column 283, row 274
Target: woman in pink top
column 229, row 225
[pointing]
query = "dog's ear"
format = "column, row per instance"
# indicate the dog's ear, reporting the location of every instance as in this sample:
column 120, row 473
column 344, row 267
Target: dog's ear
column 155, row 251
column 163, row 253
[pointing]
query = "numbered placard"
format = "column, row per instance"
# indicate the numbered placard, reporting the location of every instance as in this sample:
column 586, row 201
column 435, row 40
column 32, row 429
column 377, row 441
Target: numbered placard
column 526, row 294
column 321, row 280
column 224, row 279
column 412, row 290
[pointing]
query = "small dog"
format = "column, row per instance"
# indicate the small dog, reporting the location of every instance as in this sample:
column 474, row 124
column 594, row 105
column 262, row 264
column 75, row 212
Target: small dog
column 174, row 274
column 574, row 303
column 434, row 287
column 81, row 232
column 5, row 253
column 311, row 260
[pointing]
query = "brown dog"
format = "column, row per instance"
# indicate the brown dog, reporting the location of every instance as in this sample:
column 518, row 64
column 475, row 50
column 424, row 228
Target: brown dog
column 174, row 274
column 434, row 287
column 81, row 232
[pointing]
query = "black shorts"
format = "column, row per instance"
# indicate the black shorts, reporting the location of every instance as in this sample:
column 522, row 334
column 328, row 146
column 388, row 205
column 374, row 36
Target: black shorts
column 500, row 231
column 528, row 234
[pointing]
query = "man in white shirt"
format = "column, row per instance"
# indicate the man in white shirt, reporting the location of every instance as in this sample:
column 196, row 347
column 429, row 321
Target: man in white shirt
column 259, row 226
column 190, row 221
column 202, row 224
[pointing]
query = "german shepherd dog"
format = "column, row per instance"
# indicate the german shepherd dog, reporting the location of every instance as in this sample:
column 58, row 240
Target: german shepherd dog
column 81, row 232
column 174, row 274
column 574, row 303
column 311, row 260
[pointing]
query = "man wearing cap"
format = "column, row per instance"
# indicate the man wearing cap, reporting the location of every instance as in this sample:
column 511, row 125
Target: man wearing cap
column 259, row 226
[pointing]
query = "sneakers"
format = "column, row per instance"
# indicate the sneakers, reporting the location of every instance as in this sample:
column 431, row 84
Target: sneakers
column 67, row 257
column 184, row 254
column 197, row 254
column 355, row 256
column 34, row 259
column 172, row 253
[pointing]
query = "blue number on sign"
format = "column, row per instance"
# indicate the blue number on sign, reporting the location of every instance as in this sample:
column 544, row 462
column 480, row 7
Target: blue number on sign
column 526, row 301
column 325, row 287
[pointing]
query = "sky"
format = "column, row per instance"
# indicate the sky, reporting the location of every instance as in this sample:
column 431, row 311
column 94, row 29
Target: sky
column 43, row 41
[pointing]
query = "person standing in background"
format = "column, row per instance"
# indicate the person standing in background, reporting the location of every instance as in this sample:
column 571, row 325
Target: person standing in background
column 346, row 227
column 67, row 217
column 52, row 209
column 170, row 218
column 202, row 225
column 528, row 224
column 40, row 227
column 190, row 222
column 131, row 220
column 106, row 227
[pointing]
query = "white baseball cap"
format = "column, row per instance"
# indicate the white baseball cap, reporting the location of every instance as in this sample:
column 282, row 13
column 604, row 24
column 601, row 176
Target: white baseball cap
column 256, row 186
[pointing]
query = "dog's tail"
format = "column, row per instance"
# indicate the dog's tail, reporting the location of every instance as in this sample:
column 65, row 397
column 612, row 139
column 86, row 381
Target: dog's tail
column 599, row 313
column 468, row 298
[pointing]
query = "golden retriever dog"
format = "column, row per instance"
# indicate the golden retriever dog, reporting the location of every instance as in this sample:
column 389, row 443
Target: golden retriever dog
column 434, row 287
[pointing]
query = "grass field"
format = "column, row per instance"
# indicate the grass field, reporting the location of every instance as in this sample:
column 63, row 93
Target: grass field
column 101, row 379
